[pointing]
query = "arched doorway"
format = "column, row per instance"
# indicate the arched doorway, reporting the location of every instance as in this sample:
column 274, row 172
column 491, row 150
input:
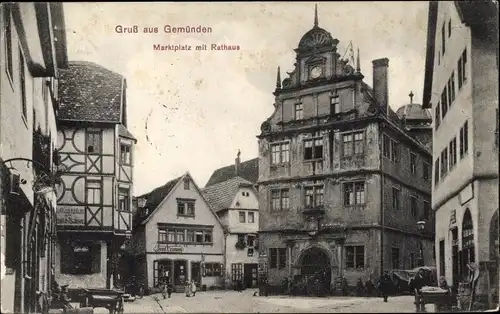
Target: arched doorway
column 315, row 267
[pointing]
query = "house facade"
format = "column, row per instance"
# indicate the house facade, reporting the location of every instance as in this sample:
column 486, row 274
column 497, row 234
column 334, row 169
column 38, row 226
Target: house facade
column 94, row 200
column 176, row 234
column 236, row 203
column 28, row 172
column 461, row 88
column 342, row 183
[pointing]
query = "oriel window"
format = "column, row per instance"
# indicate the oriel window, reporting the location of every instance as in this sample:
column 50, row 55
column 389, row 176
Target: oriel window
column 124, row 199
column 125, row 157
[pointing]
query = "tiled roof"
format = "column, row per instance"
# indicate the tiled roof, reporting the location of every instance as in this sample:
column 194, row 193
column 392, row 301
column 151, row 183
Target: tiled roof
column 413, row 111
column 248, row 170
column 90, row 92
column 220, row 195
column 122, row 131
column 154, row 198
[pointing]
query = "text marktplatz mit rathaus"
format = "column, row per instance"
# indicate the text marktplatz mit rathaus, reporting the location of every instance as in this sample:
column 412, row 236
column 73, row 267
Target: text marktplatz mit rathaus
column 203, row 47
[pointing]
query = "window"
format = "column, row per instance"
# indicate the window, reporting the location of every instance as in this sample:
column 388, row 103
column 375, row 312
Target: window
column 427, row 210
column 94, row 142
column 413, row 206
column 181, row 208
column 355, row 256
column 242, row 216
column 213, row 269
column 190, row 236
column 180, row 236
column 444, row 103
column 8, row 41
column 443, row 38
column 413, row 163
column 354, row 193
column 299, row 111
column 314, row 196
column 444, row 162
column 453, row 152
column 464, row 140
column 280, row 153
column 462, row 69
column 438, row 116
column 426, row 171
column 436, row 172
column 124, row 199
column 171, row 236
column 396, row 198
column 198, row 236
column 125, row 154
column 162, row 235
column 186, row 184
column 468, row 255
column 236, row 271
column 185, row 207
column 190, row 209
column 22, row 77
column 451, row 89
column 449, row 28
column 441, row 258
column 251, row 217
column 277, row 258
column 353, row 144
column 94, row 191
column 80, row 258
column 334, row 105
column 390, row 149
column 313, row 148
column 280, row 200
column 207, row 237
column 395, row 257
column 250, row 240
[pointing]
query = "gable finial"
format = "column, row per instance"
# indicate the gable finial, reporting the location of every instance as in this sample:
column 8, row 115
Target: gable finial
column 358, row 66
column 411, row 97
column 278, row 79
column 316, row 15
column 238, row 154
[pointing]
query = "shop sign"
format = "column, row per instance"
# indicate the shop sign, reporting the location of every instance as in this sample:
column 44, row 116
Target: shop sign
column 80, row 248
column 166, row 248
column 70, row 216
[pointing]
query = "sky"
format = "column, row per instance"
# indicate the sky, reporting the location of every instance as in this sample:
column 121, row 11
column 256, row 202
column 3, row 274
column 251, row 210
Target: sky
column 192, row 110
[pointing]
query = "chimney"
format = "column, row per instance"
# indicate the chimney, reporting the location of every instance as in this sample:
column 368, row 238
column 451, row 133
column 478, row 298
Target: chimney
column 380, row 82
column 237, row 163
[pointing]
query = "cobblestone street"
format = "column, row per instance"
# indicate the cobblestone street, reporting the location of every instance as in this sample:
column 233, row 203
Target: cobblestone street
column 234, row 302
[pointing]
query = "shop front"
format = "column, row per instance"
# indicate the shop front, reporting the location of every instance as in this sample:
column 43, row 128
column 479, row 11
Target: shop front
column 205, row 269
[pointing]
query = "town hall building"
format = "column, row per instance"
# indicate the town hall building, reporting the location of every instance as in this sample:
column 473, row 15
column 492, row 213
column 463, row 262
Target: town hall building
column 344, row 182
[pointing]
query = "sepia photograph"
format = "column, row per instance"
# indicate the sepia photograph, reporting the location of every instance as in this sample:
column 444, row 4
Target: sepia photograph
column 249, row 157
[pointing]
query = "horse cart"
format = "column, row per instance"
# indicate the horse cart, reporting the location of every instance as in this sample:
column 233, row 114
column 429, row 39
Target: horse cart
column 112, row 300
column 443, row 299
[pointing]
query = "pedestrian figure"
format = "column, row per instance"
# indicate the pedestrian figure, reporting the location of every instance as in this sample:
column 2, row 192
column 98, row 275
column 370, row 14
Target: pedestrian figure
column 360, row 288
column 416, row 285
column 369, row 287
column 344, row 286
column 170, row 288
column 164, row 288
column 193, row 288
column 385, row 285
column 187, row 289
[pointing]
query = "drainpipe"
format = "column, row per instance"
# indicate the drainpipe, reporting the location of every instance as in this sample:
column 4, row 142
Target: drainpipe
column 226, row 233
column 382, row 207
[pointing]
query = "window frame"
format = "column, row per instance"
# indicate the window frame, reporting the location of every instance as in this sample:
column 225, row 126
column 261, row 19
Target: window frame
column 88, row 187
column 126, row 201
column 298, row 108
column 353, row 143
column 251, row 214
column 426, row 171
column 127, row 160
column 96, row 134
column 437, row 114
column 354, row 185
column 314, row 201
column 282, row 192
column 413, row 162
column 335, row 106
column 357, row 261
column 396, row 198
column 240, row 216
column 313, row 140
column 23, row 85
column 464, row 140
column 398, row 257
column 414, row 205
column 282, row 153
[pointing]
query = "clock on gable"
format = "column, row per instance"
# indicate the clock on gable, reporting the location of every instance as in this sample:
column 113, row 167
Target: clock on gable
column 316, row 72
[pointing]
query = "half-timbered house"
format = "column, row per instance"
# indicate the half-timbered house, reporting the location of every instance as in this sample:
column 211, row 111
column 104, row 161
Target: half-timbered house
column 94, row 201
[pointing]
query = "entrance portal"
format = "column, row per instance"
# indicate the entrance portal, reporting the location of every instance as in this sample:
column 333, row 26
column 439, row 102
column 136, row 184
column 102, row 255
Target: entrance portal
column 316, row 270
